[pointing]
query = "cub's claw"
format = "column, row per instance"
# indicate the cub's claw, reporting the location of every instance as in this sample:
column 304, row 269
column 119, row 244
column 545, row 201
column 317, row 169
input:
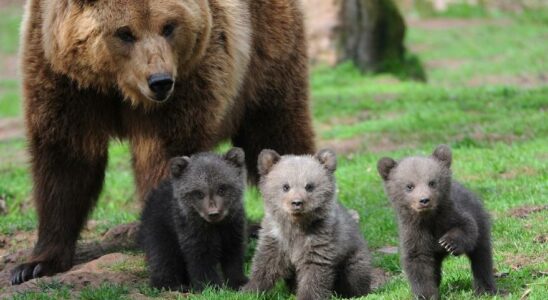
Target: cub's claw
column 450, row 246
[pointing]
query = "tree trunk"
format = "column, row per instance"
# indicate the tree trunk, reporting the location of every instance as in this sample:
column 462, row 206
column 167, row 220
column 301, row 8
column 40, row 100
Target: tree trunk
column 371, row 34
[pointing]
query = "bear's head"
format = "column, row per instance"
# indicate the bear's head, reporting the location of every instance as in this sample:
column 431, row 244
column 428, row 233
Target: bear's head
column 299, row 187
column 139, row 47
column 417, row 184
column 208, row 184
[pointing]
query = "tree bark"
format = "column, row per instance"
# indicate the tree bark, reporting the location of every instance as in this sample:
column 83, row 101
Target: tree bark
column 371, row 34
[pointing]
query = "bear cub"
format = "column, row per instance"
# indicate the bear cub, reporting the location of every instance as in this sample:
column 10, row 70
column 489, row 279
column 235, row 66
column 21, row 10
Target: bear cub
column 307, row 238
column 195, row 221
column 436, row 217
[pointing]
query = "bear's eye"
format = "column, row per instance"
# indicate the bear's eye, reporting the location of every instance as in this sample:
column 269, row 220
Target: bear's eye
column 409, row 187
column 168, row 29
column 285, row 187
column 125, row 35
column 432, row 184
column 309, row 187
column 221, row 191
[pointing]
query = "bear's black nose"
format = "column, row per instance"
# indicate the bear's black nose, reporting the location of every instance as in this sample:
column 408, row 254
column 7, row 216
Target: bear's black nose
column 160, row 85
column 424, row 201
column 297, row 203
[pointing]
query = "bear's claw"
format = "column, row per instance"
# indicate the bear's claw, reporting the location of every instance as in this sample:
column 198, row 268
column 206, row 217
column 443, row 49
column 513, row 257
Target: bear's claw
column 26, row 272
column 449, row 246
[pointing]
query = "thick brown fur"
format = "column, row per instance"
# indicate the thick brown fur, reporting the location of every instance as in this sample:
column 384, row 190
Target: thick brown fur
column 307, row 238
column 436, row 217
column 239, row 69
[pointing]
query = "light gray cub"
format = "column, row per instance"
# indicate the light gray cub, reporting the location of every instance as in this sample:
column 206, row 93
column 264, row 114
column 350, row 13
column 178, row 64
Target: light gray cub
column 436, row 217
column 307, row 238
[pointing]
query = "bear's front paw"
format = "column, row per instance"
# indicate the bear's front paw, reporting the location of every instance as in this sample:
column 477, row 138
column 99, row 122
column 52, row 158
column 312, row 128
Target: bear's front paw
column 451, row 245
column 28, row 271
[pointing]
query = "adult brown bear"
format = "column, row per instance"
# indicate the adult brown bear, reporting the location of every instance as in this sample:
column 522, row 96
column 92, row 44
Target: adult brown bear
column 173, row 77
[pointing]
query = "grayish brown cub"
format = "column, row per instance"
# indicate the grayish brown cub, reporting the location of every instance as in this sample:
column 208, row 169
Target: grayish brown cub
column 307, row 238
column 437, row 216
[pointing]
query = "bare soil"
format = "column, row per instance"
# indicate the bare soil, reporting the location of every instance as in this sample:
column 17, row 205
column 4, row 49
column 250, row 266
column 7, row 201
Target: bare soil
column 11, row 128
column 525, row 211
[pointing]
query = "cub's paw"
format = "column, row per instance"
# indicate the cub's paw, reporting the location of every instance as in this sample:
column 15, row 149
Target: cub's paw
column 451, row 245
column 28, row 271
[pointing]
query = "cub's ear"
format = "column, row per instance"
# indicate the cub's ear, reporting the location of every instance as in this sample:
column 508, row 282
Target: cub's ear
column 236, row 156
column 267, row 159
column 328, row 159
column 178, row 165
column 443, row 154
column 385, row 166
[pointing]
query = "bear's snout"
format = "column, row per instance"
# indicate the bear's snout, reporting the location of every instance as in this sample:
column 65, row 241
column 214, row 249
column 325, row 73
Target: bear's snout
column 161, row 85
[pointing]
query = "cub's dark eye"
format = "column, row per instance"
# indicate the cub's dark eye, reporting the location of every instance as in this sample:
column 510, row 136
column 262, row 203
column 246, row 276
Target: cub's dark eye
column 309, row 187
column 432, row 184
column 221, row 191
column 125, row 35
column 409, row 187
column 168, row 29
column 285, row 187
column 198, row 195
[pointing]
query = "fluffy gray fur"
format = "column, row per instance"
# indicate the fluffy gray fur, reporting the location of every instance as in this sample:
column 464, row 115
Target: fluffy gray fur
column 307, row 238
column 436, row 217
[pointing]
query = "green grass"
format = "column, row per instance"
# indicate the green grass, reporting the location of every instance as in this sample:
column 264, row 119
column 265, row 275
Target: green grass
column 498, row 133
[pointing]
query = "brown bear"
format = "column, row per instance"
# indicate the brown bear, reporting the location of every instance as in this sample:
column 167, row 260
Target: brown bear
column 172, row 77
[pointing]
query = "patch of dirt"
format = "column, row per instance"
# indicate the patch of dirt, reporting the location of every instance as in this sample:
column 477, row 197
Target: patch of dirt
column 449, row 23
column 522, row 80
column 8, row 66
column 343, row 147
column 386, row 144
column 541, row 239
column 525, row 211
column 18, row 240
column 11, row 128
column 91, row 274
column 518, row 261
column 388, row 250
column 517, row 172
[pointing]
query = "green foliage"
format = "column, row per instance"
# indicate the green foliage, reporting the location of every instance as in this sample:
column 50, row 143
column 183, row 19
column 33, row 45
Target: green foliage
column 106, row 291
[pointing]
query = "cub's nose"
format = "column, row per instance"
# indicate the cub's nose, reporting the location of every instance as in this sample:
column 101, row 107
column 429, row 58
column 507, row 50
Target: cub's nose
column 160, row 85
column 424, row 201
column 297, row 203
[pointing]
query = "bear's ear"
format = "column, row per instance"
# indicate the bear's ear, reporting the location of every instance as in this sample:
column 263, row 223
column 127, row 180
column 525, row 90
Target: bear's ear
column 385, row 166
column 267, row 159
column 235, row 156
column 443, row 154
column 328, row 159
column 177, row 166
